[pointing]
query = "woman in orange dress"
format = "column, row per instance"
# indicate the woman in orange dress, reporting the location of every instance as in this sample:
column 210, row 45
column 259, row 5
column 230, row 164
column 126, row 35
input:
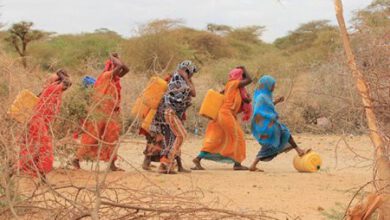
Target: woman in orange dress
column 101, row 127
column 36, row 152
column 224, row 139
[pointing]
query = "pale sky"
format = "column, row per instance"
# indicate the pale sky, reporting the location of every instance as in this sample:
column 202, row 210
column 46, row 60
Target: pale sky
column 123, row 16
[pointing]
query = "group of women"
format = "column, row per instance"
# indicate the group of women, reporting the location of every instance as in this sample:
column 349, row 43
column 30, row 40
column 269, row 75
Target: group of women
column 223, row 142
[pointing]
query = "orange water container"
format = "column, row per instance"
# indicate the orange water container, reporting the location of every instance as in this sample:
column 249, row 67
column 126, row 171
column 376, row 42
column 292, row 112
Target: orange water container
column 310, row 162
column 148, row 119
column 211, row 104
column 140, row 109
column 23, row 106
column 154, row 91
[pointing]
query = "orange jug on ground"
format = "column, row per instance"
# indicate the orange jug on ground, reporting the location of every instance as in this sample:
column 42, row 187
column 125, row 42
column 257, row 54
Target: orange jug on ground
column 154, row 91
column 140, row 109
column 148, row 119
column 211, row 104
column 310, row 162
column 23, row 106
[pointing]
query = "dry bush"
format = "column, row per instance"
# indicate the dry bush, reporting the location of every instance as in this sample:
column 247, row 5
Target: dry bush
column 336, row 98
column 98, row 198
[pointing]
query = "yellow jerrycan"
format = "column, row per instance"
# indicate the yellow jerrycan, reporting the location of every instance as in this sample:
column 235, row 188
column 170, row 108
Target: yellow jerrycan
column 150, row 98
column 23, row 106
column 148, row 119
column 140, row 109
column 211, row 104
column 310, row 162
column 154, row 91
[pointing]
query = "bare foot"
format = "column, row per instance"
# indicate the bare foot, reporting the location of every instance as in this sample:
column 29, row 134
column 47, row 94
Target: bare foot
column 198, row 166
column 240, row 167
column 182, row 170
column 255, row 169
column 76, row 164
column 146, row 164
column 302, row 153
column 163, row 169
column 114, row 168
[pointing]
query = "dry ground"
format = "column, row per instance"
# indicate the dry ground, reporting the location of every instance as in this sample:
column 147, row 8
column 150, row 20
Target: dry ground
column 321, row 195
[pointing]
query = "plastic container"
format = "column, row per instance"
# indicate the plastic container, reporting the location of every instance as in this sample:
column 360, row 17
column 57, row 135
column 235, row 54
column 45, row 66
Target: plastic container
column 154, row 91
column 89, row 81
column 148, row 119
column 310, row 162
column 140, row 109
column 23, row 106
column 211, row 104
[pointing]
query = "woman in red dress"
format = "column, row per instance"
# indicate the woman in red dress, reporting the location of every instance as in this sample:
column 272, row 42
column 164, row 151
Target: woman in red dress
column 36, row 152
column 101, row 127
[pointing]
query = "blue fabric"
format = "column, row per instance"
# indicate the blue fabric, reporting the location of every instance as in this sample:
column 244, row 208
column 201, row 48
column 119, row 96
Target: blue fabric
column 276, row 136
column 89, row 81
column 215, row 157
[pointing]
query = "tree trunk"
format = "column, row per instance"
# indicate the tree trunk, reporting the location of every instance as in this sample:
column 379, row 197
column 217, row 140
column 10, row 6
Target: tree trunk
column 381, row 157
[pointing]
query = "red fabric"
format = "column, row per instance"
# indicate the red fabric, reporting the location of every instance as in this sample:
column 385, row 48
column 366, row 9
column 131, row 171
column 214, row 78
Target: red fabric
column 109, row 66
column 103, row 134
column 102, row 129
column 36, row 152
column 246, row 108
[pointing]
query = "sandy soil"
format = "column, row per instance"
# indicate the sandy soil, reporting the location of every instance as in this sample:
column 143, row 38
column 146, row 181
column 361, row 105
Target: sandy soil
column 321, row 195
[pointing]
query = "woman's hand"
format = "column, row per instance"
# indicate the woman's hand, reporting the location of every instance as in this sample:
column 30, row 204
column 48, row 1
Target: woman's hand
column 279, row 100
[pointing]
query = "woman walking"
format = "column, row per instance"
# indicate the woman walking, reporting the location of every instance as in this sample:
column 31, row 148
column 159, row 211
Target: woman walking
column 224, row 139
column 273, row 136
column 36, row 152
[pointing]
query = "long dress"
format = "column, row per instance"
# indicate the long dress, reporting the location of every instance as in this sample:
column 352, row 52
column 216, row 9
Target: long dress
column 36, row 151
column 167, row 125
column 102, row 127
column 272, row 135
column 224, row 139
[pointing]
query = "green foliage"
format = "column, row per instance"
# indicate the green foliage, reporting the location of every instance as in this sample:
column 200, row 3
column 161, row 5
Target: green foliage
column 76, row 51
column 73, row 109
column 311, row 41
column 21, row 35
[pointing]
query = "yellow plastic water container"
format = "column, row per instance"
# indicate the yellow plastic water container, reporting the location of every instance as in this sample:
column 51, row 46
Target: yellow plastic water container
column 148, row 119
column 310, row 162
column 23, row 106
column 211, row 104
column 140, row 109
column 154, row 91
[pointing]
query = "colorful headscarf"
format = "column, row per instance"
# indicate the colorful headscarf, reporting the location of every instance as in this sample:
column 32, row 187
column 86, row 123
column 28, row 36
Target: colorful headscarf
column 266, row 128
column 246, row 108
column 188, row 65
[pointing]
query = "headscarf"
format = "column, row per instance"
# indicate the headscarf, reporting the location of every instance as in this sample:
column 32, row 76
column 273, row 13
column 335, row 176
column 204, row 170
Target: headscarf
column 263, row 98
column 246, row 108
column 188, row 65
column 268, row 131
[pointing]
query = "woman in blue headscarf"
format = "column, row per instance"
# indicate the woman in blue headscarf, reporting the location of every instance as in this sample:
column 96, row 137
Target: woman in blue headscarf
column 273, row 136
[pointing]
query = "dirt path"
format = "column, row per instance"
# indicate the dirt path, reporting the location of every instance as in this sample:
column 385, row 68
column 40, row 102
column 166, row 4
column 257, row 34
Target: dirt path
column 321, row 195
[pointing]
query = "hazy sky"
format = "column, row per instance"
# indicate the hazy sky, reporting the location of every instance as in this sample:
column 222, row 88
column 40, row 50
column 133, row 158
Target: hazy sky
column 122, row 16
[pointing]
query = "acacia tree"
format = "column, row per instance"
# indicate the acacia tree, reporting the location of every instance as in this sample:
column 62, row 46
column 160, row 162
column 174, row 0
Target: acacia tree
column 21, row 35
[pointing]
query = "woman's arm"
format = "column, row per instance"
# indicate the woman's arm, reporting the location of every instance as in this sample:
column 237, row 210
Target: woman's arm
column 278, row 100
column 120, row 68
column 189, row 82
column 247, row 79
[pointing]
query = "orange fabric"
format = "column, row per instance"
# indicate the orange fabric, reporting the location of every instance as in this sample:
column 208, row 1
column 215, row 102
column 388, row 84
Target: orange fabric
column 36, row 152
column 102, row 129
column 224, row 136
column 176, row 126
column 107, row 93
column 103, row 135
